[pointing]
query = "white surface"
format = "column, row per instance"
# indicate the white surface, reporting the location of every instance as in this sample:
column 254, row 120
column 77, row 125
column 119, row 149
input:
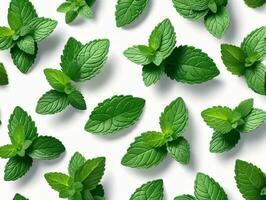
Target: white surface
column 120, row 76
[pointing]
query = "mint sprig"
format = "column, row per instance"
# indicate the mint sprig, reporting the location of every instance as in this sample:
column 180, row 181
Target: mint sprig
column 19, row 197
column 215, row 14
column 228, row 124
column 25, row 32
column 152, row 190
column 205, row 188
column 115, row 114
column 26, row 146
column 255, row 3
column 184, row 63
column 78, row 64
column 251, row 181
column 3, row 75
column 151, row 147
column 246, row 60
column 83, row 181
column 74, row 8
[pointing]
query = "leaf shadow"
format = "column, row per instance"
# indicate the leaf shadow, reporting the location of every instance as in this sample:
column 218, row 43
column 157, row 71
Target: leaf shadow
column 165, row 84
column 231, row 33
column 66, row 115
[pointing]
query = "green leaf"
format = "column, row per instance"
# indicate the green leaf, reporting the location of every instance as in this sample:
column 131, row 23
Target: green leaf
column 76, row 99
column 57, row 79
column 154, row 139
column 179, row 149
column 75, row 163
column 245, row 107
column 22, row 60
column 152, row 190
column 128, row 10
column 224, row 142
column 6, row 40
column 3, row 75
column 140, row 155
column 155, row 39
column 135, row 54
column 185, row 197
column 90, row 3
column 17, row 167
column 86, row 12
column 256, row 78
column 71, row 16
column 218, row 23
column 175, row 117
column 21, row 117
column 59, row 181
column 8, row 151
column 64, row 7
column 27, row 44
column 255, row 3
column 42, row 27
column 115, row 114
column 254, row 120
column 91, row 173
column 19, row 197
column 233, row 58
column 20, row 13
column 98, row 192
column 52, row 102
column 218, row 118
column 45, row 148
column 263, row 191
column 250, row 180
column 190, row 65
column 255, row 42
column 151, row 74
column 18, row 136
column 207, row 188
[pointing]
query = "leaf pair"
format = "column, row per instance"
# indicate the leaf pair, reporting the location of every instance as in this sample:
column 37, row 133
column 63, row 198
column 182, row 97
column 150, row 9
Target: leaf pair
column 215, row 14
column 229, row 123
column 115, row 114
column 73, row 8
column 184, row 63
column 3, row 75
column 151, row 147
column 255, row 3
column 83, row 181
column 26, row 146
column 206, row 188
column 251, row 181
column 78, row 63
column 19, row 197
column 25, row 32
column 246, row 60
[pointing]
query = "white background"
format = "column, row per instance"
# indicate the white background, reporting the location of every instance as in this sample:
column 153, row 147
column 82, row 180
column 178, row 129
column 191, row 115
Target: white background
column 120, row 76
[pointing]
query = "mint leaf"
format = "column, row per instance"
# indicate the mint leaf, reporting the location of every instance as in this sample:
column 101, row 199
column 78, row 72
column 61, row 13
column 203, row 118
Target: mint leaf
column 52, row 102
column 57, row 79
column 255, row 3
column 77, row 160
column 255, row 42
column 3, row 75
column 18, row 136
column 179, row 149
column 21, row 59
column 8, row 151
column 136, row 55
column 245, row 107
column 206, row 188
column 64, row 7
column 71, row 16
column 151, row 74
column 250, row 180
column 190, row 65
column 45, row 148
column 59, row 181
column 20, row 13
column 20, row 117
column 154, row 139
column 185, row 197
column 140, row 155
column 76, row 100
column 218, row 118
column 233, row 58
column 86, row 12
column 256, row 78
column 115, row 114
column 175, row 117
column 17, row 167
column 218, row 23
column 6, row 40
column 152, row 190
column 253, row 120
column 27, row 44
column 224, row 142
column 42, row 28
column 19, row 197
column 128, row 10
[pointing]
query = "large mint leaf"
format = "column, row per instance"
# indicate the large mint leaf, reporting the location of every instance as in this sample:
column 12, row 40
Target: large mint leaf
column 115, row 114
column 76, row 161
column 179, row 149
column 152, row 190
column 190, row 65
column 141, row 155
column 128, row 10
